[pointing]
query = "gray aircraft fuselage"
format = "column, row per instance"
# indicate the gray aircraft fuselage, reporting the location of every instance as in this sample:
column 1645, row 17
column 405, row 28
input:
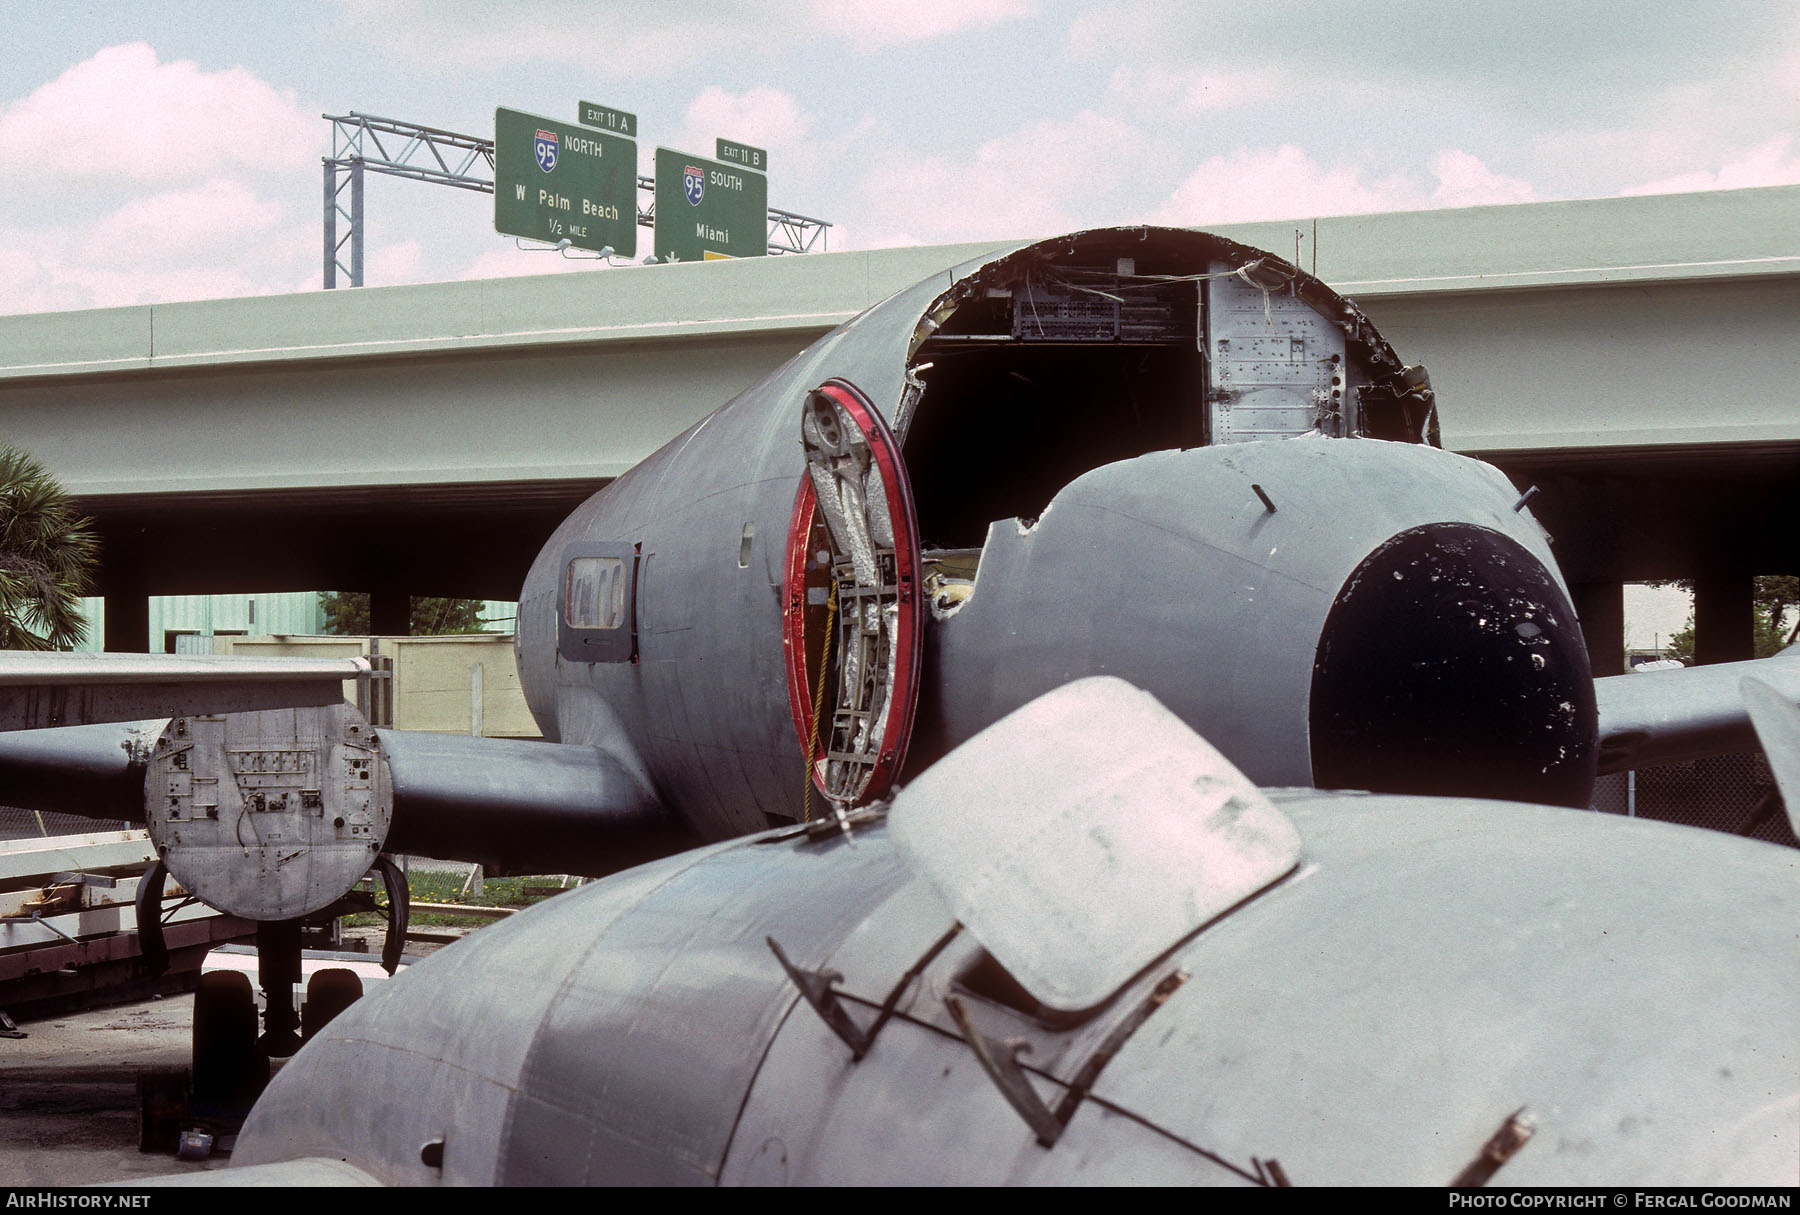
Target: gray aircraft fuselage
column 1148, row 453
column 1236, row 506
column 1435, row 970
column 1154, row 455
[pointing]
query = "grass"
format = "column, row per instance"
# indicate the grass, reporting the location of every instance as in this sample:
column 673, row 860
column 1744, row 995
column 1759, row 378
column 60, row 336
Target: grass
column 443, row 886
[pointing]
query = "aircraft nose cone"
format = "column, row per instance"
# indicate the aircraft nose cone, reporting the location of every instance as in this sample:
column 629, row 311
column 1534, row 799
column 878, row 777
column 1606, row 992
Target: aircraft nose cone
column 1451, row 663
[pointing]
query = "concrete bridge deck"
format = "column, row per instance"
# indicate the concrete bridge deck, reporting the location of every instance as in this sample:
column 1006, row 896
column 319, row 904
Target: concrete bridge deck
column 1635, row 357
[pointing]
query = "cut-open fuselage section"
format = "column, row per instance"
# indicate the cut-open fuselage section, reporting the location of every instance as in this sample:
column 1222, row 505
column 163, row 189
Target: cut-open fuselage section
column 1117, row 451
column 1098, row 348
column 1077, row 360
column 1040, row 367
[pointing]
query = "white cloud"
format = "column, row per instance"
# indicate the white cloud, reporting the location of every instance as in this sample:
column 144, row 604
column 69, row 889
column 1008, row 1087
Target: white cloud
column 34, row 283
column 1287, row 183
column 135, row 180
column 1683, row 137
column 1544, row 57
column 1196, row 90
column 113, row 284
column 1774, row 162
column 1588, row 100
column 912, row 199
column 639, row 38
column 123, row 115
column 205, row 221
column 62, row 271
column 1279, row 183
column 764, row 117
column 1464, row 181
column 395, row 262
column 217, row 240
column 1060, row 175
column 479, row 33
column 1044, row 178
column 882, row 24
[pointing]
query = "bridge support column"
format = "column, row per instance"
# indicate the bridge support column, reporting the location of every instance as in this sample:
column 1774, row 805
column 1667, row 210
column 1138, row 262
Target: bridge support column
column 390, row 613
column 1601, row 608
column 126, row 579
column 1723, row 619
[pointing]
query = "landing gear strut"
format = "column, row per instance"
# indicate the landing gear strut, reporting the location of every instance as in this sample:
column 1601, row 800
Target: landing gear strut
column 278, row 971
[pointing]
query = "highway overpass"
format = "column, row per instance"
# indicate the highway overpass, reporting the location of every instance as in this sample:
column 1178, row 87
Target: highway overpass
column 1634, row 358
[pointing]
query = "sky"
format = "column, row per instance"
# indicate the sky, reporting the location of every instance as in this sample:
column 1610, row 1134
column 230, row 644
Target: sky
column 158, row 151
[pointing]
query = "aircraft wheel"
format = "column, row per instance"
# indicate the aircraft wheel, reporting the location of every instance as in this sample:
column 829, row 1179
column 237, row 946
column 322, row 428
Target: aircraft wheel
column 328, row 993
column 230, row 1069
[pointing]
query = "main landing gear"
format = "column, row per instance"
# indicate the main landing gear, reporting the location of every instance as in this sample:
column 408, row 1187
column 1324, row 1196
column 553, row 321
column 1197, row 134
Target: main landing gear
column 194, row 1110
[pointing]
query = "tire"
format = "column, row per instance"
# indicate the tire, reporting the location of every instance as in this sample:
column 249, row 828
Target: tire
column 230, row 1069
column 328, row 993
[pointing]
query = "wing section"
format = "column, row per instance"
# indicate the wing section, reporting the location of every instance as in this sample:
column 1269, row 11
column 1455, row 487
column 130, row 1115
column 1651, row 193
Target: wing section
column 509, row 804
column 46, row 690
column 522, row 806
column 93, row 771
column 1778, row 726
column 1666, row 717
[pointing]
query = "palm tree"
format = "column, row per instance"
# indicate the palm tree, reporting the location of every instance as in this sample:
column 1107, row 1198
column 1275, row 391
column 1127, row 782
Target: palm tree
column 47, row 557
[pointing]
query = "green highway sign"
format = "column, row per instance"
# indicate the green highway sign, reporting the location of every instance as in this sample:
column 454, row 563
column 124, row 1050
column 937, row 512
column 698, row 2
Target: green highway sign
column 556, row 180
column 742, row 154
column 619, row 122
column 707, row 209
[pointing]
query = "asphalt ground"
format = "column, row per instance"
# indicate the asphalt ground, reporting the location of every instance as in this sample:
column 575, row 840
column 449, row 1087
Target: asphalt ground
column 69, row 1091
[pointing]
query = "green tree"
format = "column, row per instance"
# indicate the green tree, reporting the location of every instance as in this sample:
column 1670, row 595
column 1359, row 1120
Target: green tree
column 347, row 614
column 1778, row 596
column 1772, row 600
column 47, row 558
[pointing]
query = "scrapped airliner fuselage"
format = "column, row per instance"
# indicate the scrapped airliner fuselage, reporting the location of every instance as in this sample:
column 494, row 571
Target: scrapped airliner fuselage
column 1153, row 454
column 1147, row 453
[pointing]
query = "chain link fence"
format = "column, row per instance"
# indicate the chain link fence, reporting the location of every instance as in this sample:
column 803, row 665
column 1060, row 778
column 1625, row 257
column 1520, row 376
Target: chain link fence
column 1731, row 793
column 17, row 824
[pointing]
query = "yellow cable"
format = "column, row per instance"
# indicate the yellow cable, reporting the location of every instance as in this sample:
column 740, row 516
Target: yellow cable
column 812, row 744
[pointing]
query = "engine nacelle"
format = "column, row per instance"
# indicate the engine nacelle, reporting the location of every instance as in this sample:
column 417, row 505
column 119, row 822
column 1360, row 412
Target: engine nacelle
column 270, row 815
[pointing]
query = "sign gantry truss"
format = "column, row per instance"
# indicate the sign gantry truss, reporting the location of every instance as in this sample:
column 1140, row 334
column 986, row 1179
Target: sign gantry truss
column 361, row 142
column 789, row 232
column 365, row 143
